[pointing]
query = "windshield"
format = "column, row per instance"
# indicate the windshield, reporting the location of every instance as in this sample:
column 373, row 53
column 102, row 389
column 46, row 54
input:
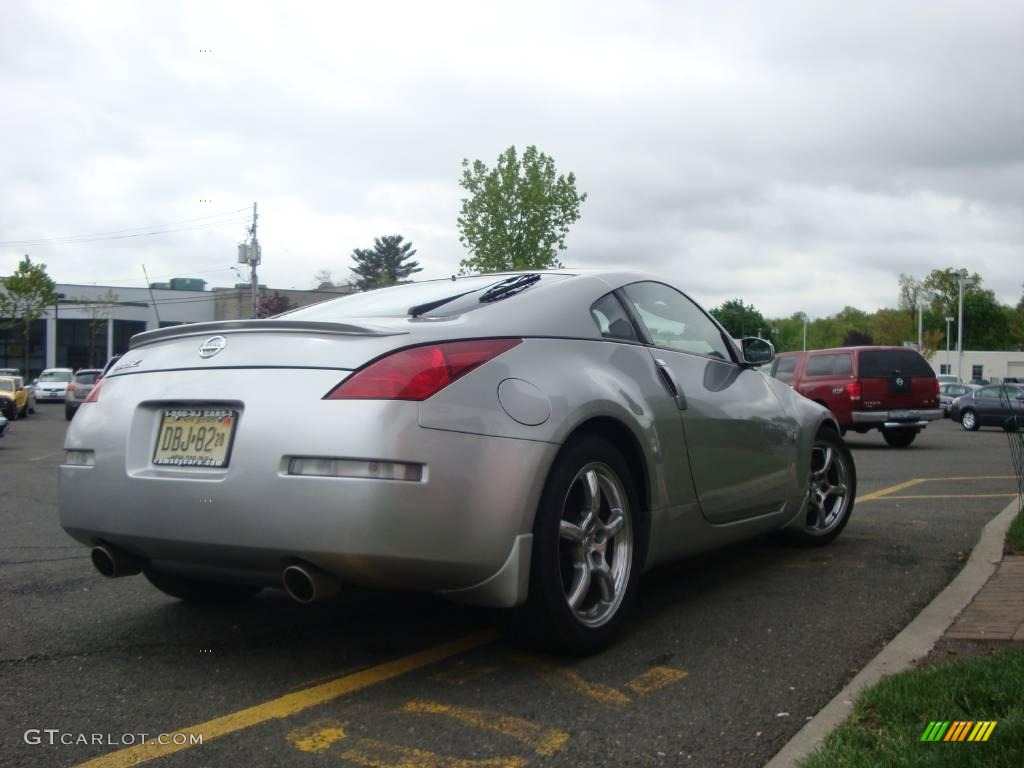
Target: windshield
column 6, row 385
column 55, row 376
column 452, row 297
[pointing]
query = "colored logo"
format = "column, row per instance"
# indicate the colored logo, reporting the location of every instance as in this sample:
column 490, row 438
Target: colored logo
column 959, row 730
column 212, row 346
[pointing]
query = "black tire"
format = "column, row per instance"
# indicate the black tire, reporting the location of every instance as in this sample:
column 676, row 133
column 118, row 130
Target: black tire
column 811, row 533
column 12, row 412
column 198, row 591
column 969, row 420
column 547, row 620
column 899, row 438
column 69, row 413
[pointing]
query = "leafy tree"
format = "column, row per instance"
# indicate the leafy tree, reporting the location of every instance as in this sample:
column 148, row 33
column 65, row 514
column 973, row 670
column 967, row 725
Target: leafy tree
column 386, row 263
column 99, row 311
column 274, row 304
column 741, row 319
column 857, row 339
column 891, row 327
column 26, row 296
column 944, row 285
column 518, row 214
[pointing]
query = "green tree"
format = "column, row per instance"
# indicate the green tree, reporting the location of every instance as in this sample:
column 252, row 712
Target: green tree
column 518, row 214
column 386, row 263
column 273, row 304
column 99, row 311
column 26, row 296
column 891, row 327
column 741, row 319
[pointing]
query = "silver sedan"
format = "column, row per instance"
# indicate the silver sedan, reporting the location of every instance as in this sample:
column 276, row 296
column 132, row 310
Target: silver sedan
column 532, row 441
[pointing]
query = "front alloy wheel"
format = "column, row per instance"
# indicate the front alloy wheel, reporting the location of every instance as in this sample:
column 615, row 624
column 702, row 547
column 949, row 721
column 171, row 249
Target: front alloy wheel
column 969, row 421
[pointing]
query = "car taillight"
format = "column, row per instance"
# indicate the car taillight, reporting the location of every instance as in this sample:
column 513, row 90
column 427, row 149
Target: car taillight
column 419, row 372
column 853, row 390
column 94, row 395
column 936, row 388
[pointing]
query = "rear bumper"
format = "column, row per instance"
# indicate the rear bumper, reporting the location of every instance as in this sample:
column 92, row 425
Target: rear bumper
column 456, row 529
column 910, row 418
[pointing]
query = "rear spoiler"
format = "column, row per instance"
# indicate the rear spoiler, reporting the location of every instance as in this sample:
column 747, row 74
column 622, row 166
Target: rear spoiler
column 255, row 326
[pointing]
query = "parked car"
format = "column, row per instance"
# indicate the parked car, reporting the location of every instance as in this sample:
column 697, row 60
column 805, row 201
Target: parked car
column 10, row 371
column 78, row 389
column 13, row 397
column 52, row 384
column 534, row 441
column 989, row 406
column 892, row 389
column 947, row 378
column 949, row 392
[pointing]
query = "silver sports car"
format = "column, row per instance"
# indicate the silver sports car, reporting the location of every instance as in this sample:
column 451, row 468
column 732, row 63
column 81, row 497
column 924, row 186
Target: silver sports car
column 532, row 441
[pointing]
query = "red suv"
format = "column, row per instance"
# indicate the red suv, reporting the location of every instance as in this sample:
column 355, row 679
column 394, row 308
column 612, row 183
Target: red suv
column 888, row 388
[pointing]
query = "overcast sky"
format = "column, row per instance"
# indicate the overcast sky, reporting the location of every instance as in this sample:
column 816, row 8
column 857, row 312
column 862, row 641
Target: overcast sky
column 798, row 155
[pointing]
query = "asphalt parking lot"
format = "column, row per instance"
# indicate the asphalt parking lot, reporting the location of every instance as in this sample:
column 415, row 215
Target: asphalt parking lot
column 725, row 659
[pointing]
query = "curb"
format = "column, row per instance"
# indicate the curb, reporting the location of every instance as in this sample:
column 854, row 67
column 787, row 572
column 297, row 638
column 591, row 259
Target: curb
column 913, row 643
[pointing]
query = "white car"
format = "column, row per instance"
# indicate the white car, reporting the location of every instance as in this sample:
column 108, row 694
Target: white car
column 53, row 384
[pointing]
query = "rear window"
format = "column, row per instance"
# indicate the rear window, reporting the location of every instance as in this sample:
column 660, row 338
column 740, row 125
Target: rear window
column 86, row 378
column 784, row 368
column 55, row 376
column 451, row 297
column 830, row 365
column 882, row 363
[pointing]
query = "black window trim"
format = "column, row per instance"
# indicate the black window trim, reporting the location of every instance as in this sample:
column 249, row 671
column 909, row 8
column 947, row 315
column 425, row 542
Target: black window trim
column 638, row 329
column 620, row 294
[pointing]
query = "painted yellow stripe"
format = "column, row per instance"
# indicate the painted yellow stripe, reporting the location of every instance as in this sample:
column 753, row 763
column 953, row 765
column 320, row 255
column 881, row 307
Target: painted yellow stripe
column 956, row 496
column 655, row 679
column 988, row 731
column 974, row 477
column 543, row 741
column 891, row 489
column 379, row 754
column 569, row 678
column 290, row 704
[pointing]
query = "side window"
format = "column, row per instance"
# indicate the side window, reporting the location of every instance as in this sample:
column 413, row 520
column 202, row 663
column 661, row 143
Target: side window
column 989, row 393
column 843, row 365
column 675, row 322
column 784, row 368
column 612, row 320
column 820, row 365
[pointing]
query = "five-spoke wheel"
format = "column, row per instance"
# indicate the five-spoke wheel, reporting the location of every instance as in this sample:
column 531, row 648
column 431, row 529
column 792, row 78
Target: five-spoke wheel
column 832, row 487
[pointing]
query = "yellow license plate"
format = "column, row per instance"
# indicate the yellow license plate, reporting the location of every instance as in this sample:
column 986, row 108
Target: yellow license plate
column 195, row 437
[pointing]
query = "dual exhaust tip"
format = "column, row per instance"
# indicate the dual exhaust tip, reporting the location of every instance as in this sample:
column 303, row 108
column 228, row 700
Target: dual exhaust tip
column 303, row 583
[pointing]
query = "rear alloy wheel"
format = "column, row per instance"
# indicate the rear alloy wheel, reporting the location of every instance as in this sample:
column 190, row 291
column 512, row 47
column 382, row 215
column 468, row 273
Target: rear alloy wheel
column 831, row 490
column 198, row 591
column 899, row 438
column 588, row 549
column 969, row 420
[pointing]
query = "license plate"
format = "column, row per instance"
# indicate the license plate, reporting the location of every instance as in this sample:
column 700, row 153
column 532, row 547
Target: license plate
column 195, row 437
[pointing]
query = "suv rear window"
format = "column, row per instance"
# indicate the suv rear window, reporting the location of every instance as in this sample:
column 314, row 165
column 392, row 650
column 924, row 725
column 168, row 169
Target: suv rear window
column 784, row 368
column 830, row 365
column 882, row 363
column 86, row 378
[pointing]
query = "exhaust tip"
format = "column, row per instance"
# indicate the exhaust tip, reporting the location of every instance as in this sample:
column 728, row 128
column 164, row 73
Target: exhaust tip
column 113, row 563
column 307, row 584
column 103, row 561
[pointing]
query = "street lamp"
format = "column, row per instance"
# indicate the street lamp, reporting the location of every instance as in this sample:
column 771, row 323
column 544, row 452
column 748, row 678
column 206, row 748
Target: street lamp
column 804, row 316
column 962, row 282
column 949, row 320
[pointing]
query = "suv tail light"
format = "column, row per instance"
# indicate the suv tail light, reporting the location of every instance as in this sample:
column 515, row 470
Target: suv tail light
column 853, row 390
column 417, row 373
column 937, row 385
column 94, row 395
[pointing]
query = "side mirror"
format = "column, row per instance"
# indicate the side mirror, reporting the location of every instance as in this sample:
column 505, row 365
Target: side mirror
column 757, row 351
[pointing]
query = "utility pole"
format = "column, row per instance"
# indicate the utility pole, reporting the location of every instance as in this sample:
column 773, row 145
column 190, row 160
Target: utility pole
column 805, row 330
column 254, row 260
column 962, row 281
column 949, row 320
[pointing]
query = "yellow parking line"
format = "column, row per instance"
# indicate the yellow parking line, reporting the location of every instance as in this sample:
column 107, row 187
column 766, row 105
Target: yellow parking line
column 292, row 703
column 959, row 496
column 976, row 477
column 379, row 754
column 655, row 679
column 543, row 741
column 570, row 678
column 891, row 489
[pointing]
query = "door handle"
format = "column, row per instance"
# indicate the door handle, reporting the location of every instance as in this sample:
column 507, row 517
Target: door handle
column 669, row 380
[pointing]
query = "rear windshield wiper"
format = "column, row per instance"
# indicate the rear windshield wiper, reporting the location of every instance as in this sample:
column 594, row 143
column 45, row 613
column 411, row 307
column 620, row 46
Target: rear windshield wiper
column 509, row 287
column 419, row 309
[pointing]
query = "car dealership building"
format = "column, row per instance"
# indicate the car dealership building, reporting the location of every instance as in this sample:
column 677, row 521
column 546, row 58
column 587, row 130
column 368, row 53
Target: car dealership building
column 89, row 323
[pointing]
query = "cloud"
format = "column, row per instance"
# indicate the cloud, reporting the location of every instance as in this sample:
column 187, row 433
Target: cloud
column 798, row 155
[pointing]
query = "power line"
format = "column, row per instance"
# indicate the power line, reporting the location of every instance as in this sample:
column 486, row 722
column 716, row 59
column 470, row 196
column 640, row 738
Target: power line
column 115, row 232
